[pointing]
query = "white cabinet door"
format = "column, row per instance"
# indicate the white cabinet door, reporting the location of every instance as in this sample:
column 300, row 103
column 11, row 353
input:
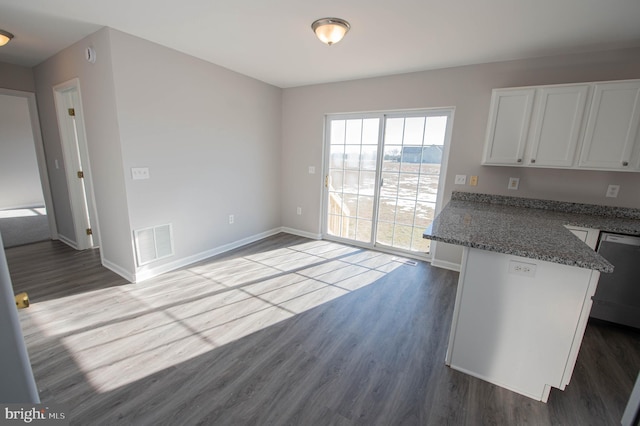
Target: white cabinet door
column 509, row 118
column 612, row 126
column 519, row 330
column 557, row 125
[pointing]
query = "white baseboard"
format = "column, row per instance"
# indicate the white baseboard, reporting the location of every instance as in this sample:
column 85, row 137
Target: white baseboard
column 445, row 265
column 145, row 273
column 118, row 270
column 301, row 233
column 67, row 241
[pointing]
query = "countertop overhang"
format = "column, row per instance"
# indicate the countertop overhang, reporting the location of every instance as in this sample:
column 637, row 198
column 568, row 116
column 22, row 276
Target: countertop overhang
column 529, row 228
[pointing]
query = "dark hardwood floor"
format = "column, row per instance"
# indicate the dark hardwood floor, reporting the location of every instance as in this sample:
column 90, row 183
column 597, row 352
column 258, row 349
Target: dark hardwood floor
column 285, row 331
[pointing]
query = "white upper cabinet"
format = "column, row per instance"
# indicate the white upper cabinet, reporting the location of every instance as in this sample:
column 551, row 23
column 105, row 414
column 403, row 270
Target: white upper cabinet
column 509, row 118
column 579, row 126
column 557, row 125
column 612, row 127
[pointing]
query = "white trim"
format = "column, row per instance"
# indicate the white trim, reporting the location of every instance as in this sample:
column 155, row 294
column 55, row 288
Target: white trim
column 445, row 265
column 118, row 270
column 41, row 159
column 68, row 242
column 301, row 233
column 146, row 273
column 82, row 200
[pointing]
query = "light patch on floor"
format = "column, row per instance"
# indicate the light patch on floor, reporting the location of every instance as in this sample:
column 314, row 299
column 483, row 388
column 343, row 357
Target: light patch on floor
column 38, row 211
column 175, row 317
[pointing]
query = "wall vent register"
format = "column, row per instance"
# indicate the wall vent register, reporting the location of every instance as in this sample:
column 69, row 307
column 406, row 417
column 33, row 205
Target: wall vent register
column 153, row 243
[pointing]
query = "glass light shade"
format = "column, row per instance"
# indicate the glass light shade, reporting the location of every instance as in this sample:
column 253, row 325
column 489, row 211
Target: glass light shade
column 330, row 30
column 5, row 37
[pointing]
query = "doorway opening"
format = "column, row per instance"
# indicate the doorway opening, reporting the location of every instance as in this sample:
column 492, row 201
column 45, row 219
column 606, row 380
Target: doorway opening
column 383, row 177
column 26, row 205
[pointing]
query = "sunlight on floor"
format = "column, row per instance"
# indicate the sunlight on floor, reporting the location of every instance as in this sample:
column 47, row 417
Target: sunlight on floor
column 37, row 211
column 164, row 321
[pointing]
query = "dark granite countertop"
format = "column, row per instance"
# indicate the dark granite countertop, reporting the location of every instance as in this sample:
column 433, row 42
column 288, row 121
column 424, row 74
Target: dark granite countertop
column 529, row 228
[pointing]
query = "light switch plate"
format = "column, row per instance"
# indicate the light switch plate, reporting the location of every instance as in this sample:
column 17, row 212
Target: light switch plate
column 461, row 179
column 138, row 173
column 473, row 180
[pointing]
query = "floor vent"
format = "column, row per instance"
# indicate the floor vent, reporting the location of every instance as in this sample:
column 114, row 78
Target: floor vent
column 153, row 243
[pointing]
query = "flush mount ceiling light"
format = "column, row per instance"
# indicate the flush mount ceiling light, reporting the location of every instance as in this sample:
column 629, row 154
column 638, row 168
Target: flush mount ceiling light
column 330, row 30
column 5, row 37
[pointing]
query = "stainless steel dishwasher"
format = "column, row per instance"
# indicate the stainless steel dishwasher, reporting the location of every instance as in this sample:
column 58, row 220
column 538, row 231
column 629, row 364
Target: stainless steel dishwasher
column 617, row 297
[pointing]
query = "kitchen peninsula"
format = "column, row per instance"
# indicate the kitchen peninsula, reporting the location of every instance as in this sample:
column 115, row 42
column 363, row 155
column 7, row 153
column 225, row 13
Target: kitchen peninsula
column 525, row 286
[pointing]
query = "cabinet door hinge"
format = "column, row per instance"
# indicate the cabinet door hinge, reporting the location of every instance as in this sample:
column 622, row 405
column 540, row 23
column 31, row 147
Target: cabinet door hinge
column 89, row 231
column 72, row 112
column 80, row 174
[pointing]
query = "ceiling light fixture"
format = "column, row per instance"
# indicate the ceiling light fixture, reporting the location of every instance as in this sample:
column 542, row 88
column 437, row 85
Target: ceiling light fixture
column 5, row 37
column 330, row 30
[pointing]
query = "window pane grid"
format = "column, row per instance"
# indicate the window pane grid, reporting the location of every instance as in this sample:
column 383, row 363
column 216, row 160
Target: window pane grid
column 411, row 168
column 353, row 157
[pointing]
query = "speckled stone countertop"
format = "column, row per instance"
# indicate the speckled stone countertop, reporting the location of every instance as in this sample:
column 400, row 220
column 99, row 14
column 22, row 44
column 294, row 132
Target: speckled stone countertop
column 529, row 228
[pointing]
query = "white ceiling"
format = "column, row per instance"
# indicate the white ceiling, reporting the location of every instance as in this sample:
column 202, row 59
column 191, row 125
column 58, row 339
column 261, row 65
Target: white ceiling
column 271, row 40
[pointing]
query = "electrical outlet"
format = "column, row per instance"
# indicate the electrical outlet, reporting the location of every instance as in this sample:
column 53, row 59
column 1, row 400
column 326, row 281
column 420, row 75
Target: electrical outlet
column 231, row 219
column 473, row 180
column 461, row 179
column 312, row 170
column 522, row 268
column 513, row 183
column 299, row 210
column 612, row 191
column 138, row 173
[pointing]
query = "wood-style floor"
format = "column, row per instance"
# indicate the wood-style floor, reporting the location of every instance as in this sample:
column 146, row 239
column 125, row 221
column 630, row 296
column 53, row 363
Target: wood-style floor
column 285, row 331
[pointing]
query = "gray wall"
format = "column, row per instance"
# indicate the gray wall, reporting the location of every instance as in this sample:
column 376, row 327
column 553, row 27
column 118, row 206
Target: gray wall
column 468, row 89
column 210, row 138
column 19, row 172
column 99, row 106
column 16, row 77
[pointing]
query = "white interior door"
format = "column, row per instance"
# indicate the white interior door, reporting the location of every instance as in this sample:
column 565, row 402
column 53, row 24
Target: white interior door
column 76, row 163
column 383, row 177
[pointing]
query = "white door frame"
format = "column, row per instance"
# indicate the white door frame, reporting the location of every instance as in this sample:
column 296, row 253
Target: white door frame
column 40, row 155
column 73, row 139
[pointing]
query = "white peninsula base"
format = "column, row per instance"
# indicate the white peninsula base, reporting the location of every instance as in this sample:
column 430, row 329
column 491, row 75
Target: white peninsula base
column 518, row 322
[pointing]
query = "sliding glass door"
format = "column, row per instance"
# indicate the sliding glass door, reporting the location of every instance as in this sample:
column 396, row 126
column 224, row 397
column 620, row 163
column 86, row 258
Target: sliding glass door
column 383, row 176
